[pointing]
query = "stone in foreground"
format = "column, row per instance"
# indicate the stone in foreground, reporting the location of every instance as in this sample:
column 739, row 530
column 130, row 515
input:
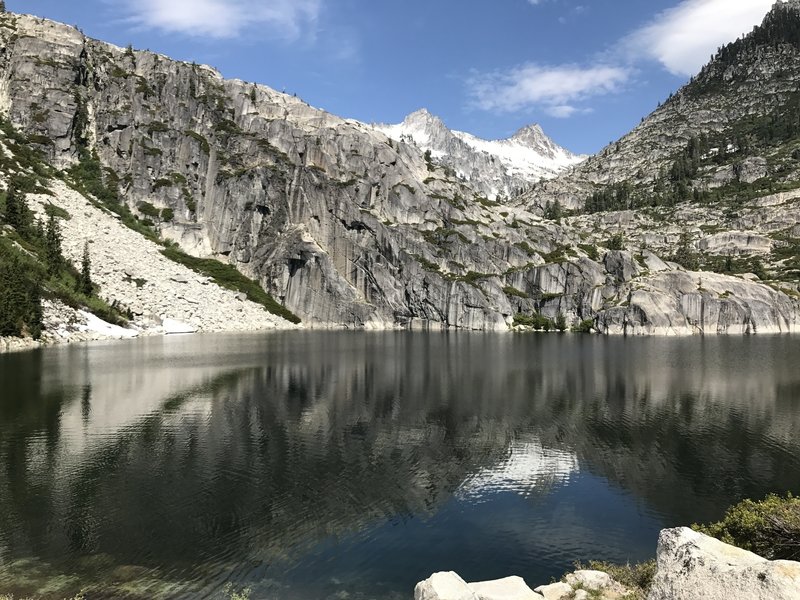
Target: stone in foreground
column 588, row 579
column 555, row 591
column 509, row 588
column 445, row 585
column 692, row 566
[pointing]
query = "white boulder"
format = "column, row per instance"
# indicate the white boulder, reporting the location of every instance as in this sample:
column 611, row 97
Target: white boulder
column 508, row 588
column 555, row 591
column 173, row 326
column 693, row 566
column 445, row 585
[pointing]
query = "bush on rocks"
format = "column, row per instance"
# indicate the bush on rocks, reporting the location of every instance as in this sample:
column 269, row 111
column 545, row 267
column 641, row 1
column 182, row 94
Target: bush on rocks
column 769, row 528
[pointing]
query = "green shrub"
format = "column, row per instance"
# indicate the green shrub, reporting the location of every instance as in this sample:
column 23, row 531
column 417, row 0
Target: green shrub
column 167, row 214
column 615, row 242
column 536, row 321
column 512, row 291
column 770, row 528
column 584, row 326
column 637, row 578
column 148, row 210
column 591, row 250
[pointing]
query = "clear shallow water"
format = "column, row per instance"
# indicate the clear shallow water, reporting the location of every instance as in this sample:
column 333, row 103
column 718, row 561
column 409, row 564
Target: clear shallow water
column 352, row 465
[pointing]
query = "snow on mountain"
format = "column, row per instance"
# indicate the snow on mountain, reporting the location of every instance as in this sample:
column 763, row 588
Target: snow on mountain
column 495, row 167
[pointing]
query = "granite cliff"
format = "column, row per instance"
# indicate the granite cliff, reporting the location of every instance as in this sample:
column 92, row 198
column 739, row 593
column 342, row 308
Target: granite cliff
column 346, row 226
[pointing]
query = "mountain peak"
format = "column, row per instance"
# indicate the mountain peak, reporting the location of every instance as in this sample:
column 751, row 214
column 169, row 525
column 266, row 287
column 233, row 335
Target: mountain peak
column 423, row 117
column 530, row 133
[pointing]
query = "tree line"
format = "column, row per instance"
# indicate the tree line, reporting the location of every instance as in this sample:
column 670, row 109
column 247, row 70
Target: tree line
column 32, row 264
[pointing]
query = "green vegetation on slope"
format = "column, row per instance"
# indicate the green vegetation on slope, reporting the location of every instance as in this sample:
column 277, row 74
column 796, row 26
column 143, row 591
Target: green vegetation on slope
column 228, row 277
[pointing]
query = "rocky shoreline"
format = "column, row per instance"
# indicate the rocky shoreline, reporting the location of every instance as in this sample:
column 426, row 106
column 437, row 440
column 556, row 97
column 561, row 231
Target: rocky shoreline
column 690, row 566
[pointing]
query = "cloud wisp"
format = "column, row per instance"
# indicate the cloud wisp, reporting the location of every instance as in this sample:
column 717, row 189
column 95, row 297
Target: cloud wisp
column 556, row 90
column 288, row 19
column 680, row 39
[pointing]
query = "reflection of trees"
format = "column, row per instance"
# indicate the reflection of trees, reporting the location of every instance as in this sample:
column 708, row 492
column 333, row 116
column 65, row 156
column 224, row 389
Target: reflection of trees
column 309, row 436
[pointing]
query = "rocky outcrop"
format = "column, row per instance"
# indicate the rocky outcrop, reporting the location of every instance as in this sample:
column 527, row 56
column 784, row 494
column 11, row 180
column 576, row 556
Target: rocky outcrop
column 580, row 585
column 686, row 303
column 692, row 565
column 449, row 586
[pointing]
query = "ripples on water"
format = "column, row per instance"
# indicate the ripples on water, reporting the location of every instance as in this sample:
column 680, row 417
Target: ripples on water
column 333, row 465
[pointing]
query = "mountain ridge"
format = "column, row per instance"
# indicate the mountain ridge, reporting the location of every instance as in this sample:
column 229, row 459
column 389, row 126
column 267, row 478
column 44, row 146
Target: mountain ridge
column 496, row 167
column 347, row 227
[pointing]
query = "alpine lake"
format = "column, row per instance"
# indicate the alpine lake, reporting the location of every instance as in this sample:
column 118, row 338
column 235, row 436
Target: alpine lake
column 350, row 465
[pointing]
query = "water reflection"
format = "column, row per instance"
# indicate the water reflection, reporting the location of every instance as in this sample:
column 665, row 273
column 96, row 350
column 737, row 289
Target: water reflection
column 308, row 465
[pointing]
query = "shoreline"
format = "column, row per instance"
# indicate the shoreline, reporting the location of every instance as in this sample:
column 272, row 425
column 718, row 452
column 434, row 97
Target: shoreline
column 13, row 345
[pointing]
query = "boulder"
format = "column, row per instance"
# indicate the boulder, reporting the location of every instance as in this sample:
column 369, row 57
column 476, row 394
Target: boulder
column 172, row 326
column 693, row 566
column 596, row 581
column 508, row 588
column 555, row 591
column 445, row 585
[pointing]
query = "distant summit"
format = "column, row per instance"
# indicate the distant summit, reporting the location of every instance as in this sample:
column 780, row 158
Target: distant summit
column 496, row 167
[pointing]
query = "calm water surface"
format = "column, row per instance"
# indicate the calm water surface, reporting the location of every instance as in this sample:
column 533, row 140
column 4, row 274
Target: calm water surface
column 352, row 465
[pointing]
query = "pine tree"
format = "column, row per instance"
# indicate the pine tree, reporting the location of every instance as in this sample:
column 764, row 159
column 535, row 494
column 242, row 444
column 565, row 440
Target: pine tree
column 84, row 282
column 13, row 207
column 2, row 6
column 53, row 255
column 685, row 254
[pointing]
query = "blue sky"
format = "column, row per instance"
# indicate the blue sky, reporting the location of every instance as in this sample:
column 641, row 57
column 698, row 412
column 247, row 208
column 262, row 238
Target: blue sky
column 586, row 70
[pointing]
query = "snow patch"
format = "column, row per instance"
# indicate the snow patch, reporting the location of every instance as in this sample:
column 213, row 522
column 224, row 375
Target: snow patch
column 96, row 325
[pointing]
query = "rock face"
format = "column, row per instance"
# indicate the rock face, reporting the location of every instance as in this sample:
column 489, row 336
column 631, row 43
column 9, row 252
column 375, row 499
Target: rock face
column 493, row 168
column 692, row 566
column 340, row 223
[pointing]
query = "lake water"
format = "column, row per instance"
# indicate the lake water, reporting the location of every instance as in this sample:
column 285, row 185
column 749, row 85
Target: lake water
column 352, row 465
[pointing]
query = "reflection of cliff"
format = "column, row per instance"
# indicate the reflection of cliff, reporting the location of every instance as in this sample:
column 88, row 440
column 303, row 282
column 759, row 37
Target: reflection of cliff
column 221, row 450
column 686, row 426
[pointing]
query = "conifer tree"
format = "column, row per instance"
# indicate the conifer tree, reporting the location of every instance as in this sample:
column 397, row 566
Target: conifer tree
column 84, row 282
column 53, row 255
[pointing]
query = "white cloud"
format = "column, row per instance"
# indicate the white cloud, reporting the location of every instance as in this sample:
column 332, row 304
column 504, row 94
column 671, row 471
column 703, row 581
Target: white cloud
column 226, row 18
column 683, row 38
column 553, row 89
